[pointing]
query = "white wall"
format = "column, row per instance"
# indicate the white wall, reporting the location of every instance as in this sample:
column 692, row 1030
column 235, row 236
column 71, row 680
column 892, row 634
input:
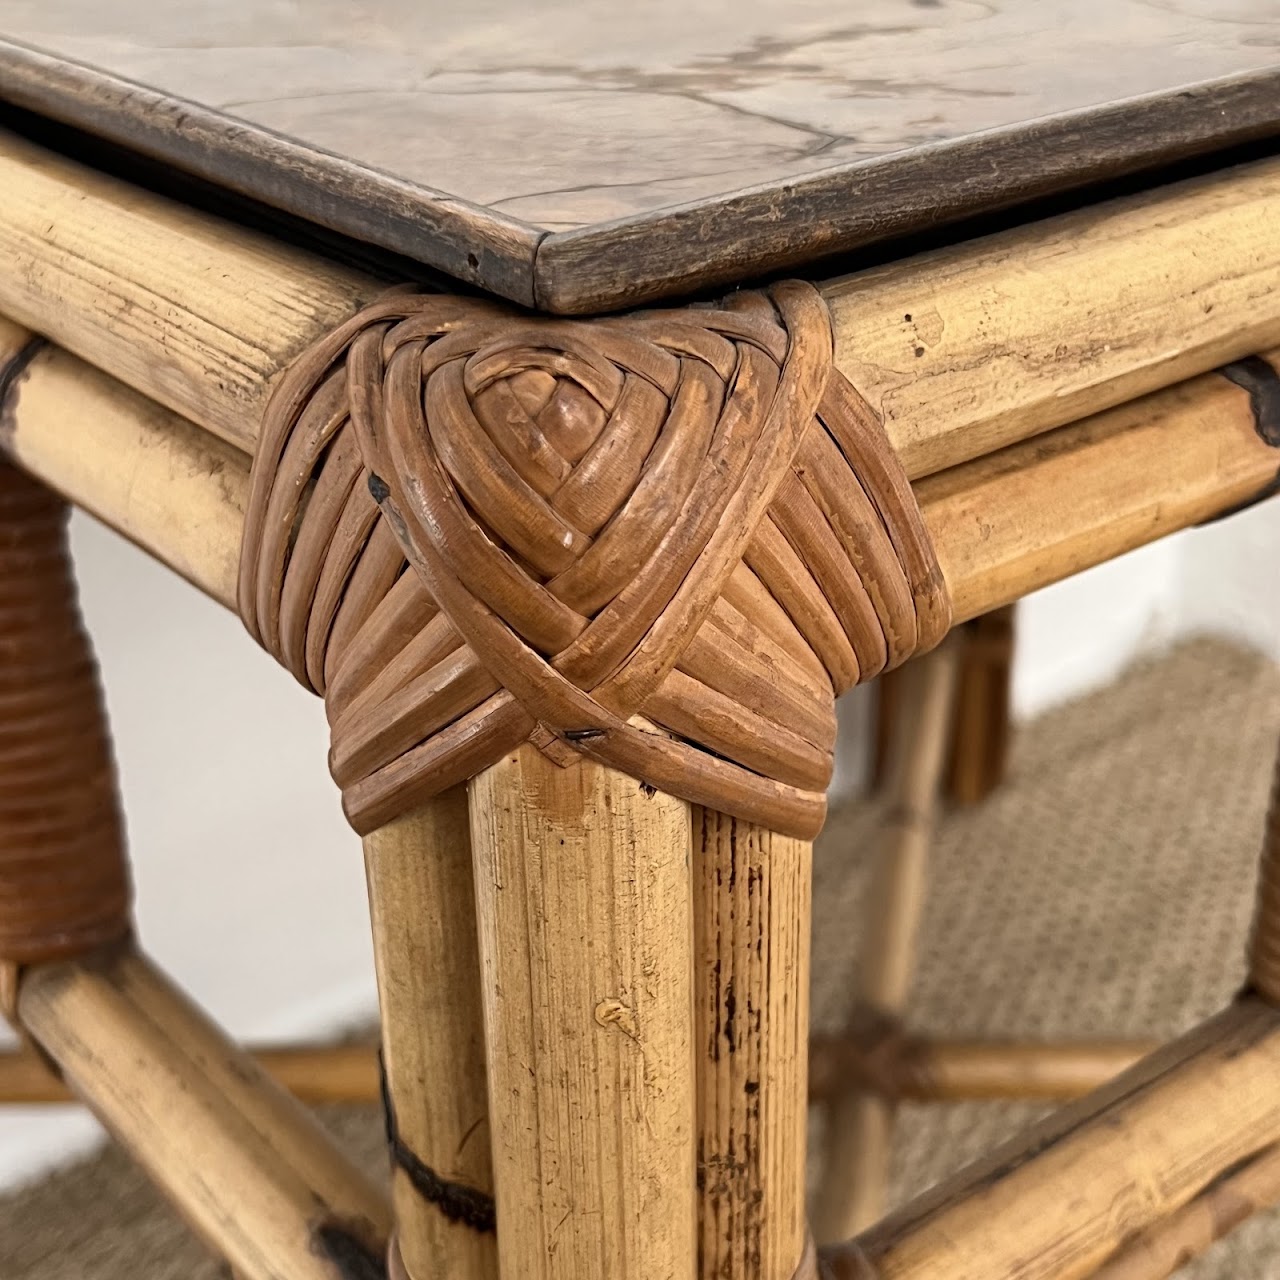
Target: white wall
column 250, row 889
column 249, row 882
column 1229, row 578
column 1079, row 634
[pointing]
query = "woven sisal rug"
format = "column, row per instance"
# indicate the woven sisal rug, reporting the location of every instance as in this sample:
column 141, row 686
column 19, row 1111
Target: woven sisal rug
column 1104, row 890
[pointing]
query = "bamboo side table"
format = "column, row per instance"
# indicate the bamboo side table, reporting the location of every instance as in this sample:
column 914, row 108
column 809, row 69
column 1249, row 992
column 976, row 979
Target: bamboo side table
column 580, row 583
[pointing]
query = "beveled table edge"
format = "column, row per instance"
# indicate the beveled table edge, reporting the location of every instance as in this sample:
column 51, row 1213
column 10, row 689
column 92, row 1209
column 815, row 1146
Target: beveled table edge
column 782, row 225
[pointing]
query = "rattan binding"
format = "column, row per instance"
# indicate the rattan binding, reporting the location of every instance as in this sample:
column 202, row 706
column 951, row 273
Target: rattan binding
column 64, row 879
column 662, row 540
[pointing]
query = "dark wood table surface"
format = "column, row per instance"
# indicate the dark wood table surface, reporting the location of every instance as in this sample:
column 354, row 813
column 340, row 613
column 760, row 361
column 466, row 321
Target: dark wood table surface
column 581, row 154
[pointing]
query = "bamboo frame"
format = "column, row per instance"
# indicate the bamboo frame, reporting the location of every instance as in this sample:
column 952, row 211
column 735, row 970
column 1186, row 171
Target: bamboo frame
column 201, row 318
column 179, row 492
column 248, row 1167
column 858, row 1137
column 1102, row 1170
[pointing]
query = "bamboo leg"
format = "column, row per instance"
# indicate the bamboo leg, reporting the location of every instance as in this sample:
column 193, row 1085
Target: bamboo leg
column 1059, row 1200
column 64, row 873
column 583, row 901
column 859, row 1125
column 249, row 1168
column 422, row 903
column 752, row 901
column 979, row 746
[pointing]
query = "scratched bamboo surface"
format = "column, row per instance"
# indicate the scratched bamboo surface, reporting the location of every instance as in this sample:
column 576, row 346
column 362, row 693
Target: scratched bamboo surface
column 584, row 904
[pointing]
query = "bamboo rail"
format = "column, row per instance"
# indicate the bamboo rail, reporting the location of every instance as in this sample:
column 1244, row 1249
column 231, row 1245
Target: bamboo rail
column 926, row 1070
column 931, row 1070
column 1003, row 525
column 961, row 351
column 1105, row 1169
column 250, row 1170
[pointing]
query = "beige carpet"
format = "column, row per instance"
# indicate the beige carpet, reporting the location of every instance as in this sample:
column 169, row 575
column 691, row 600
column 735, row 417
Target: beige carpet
column 1104, row 890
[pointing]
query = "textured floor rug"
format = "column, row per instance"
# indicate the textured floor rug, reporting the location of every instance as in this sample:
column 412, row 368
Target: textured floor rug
column 1105, row 890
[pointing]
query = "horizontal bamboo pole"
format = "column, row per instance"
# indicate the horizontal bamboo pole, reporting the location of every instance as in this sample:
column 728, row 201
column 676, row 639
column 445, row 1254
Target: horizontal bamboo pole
column 967, row 349
column 961, row 351
column 972, row 1070
column 935, row 1070
column 174, row 489
column 1003, row 525
column 246, row 1164
column 199, row 314
column 314, row 1074
column 1060, row 1199
column 1014, row 521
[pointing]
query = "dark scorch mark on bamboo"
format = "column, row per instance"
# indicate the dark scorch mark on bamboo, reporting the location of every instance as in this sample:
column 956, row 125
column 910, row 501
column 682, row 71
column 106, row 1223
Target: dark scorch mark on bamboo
column 1255, row 376
column 10, row 377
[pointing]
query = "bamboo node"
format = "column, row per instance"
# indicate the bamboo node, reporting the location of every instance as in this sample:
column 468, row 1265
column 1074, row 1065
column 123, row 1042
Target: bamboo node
column 589, row 513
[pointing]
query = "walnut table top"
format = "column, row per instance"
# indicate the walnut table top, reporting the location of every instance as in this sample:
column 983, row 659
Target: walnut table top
column 584, row 154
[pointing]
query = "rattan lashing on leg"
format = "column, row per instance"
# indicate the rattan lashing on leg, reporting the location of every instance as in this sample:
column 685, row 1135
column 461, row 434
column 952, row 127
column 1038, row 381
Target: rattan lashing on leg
column 64, row 878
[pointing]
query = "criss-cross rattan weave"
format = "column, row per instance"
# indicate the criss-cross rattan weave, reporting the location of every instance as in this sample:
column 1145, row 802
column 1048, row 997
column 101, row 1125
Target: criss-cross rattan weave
column 685, row 516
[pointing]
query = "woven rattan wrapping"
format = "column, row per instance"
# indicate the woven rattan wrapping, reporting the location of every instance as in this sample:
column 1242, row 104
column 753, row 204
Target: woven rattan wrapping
column 1264, row 945
column 64, row 883
column 662, row 540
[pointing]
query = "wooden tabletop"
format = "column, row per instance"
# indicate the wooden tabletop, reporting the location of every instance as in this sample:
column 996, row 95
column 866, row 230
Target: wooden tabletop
column 582, row 154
